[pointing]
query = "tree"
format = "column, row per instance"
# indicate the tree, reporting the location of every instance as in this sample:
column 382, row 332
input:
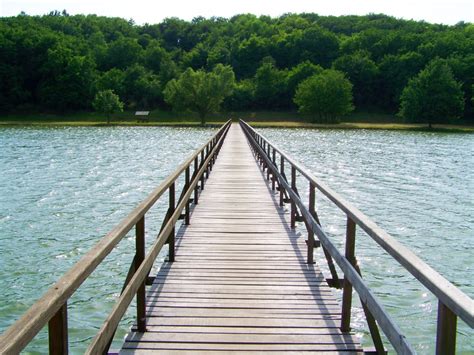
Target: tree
column 67, row 81
column 199, row 91
column 142, row 87
column 299, row 73
column 432, row 96
column 270, row 86
column 362, row 72
column 326, row 96
column 108, row 103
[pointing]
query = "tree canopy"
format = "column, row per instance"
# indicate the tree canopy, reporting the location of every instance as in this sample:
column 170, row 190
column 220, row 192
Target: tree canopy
column 108, row 103
column 326, row 96
column 433, row 95
column 199, row 91
column 59, row 62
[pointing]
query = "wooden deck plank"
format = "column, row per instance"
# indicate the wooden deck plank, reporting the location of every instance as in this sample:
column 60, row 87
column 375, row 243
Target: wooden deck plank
column 240, row 282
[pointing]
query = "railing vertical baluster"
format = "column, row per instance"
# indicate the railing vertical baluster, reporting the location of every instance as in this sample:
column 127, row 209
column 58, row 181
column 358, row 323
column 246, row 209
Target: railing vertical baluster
column 139, row 257
column 186, row 187
column 274, row 165
column 446, row 331
column 268, row 156
column 206, row 171
column 58, row 332
column 202, row 176
column 196, row 188
column 214, row 157
column 282, row 172
column 171, row 237
column 347, row 287
column 293, row 204
column 312, row 211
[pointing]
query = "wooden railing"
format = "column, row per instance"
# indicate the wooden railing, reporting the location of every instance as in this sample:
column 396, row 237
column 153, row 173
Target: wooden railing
column 452, row 302
column 51, row 308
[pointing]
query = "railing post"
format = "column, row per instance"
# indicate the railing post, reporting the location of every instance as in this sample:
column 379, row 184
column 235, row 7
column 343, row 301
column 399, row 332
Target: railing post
column 186, row 187
column 293, row 204
column 312, row 211
column 211, row 162
column 171, row 239
column 58, row 332
column 196, row 188
column 274, row 165
column 267, row 153
column 282, row 173
column 446, row 331
column 202, row 164
column 139, row 257
column 207, row 166
column 347, row 287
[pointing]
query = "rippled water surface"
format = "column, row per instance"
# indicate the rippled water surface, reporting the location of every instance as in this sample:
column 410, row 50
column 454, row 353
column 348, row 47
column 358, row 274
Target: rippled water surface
column 61, row 190
column 417, row 186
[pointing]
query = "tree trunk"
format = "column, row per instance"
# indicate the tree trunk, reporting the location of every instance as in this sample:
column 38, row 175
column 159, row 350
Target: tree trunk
column 202, row 116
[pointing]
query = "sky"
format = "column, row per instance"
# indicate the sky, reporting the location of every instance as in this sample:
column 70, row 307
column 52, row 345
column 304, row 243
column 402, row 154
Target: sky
column 145, row 11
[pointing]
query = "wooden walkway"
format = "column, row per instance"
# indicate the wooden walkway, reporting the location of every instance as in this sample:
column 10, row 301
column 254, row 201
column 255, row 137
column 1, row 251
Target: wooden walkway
column 240, row 281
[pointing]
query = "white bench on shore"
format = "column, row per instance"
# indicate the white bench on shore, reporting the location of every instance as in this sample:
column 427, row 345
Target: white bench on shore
column 142, row 116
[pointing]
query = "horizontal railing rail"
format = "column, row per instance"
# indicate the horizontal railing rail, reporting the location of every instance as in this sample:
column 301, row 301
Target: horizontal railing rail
column 453, row 302
column 51, row 308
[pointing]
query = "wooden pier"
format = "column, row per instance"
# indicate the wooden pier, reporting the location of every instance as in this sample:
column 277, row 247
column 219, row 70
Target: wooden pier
column 239, row 275
column 240, row 280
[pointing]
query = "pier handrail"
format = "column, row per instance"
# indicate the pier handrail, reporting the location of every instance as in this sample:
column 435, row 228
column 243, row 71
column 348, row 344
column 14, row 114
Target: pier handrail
column 453, row 302
column 51, row 308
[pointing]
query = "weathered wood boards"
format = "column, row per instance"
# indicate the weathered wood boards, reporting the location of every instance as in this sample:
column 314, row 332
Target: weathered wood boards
column 240, row 281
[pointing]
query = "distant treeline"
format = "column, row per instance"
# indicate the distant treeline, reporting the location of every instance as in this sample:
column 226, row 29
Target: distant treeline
column 59, row 62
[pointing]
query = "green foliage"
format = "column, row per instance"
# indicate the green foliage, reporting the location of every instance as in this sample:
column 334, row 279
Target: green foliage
column 299, row 73
column 142, row 88
column 199, row 91
column 108, row 103
column 242, row 97
column 270, row 86
column 395, row 71
column 433, row 96
column 325, row 96
column 363, row 74
column 68, row 80
column 59, row 62
column 123, row 53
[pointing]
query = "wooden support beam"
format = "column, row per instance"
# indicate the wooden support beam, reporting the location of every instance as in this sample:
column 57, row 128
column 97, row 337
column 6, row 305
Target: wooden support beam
column 139, row 257
column 171, row 237
column 446, row 331
column 58, row 332
column 347, row 288
column 293, row 204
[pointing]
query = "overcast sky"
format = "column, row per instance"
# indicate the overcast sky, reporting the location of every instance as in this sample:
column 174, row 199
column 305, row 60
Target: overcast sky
column 143, row 11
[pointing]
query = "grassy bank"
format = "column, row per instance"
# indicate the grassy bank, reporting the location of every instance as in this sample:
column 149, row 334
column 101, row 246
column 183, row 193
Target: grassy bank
column 358, row 120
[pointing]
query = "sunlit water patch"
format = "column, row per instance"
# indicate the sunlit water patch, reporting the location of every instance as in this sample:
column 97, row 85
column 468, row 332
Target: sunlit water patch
column 61, row 190
column 419, row 187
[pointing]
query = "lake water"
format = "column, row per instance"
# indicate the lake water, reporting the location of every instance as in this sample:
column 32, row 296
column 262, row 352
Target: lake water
column 419, row 187
column 62, row 189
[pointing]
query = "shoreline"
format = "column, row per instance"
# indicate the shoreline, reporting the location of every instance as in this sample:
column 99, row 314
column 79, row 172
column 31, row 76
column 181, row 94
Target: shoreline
column 258, row 123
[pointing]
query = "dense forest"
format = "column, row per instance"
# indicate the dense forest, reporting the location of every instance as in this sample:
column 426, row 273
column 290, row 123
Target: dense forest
column 58, row 62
